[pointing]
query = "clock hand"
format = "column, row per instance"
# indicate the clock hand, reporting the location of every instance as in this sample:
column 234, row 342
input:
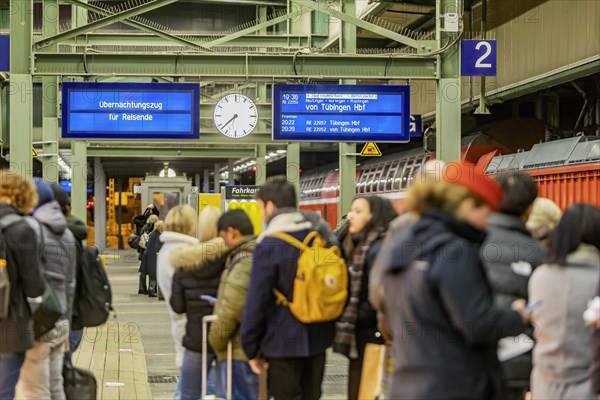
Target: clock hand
column 228, row 122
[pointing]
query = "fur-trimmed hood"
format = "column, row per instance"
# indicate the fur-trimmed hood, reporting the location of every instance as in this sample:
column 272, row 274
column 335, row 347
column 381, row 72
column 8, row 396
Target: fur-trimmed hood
column 199, row 255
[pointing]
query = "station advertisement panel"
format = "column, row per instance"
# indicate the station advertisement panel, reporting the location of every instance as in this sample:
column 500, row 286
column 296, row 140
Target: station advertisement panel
column 130, row 111
column 331, row 113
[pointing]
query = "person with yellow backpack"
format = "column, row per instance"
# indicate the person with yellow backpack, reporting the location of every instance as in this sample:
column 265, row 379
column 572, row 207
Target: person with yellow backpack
column 298, row 289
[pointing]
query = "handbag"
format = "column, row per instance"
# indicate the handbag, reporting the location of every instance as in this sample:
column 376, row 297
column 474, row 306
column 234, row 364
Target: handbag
column 78, row 384
column 46, row 310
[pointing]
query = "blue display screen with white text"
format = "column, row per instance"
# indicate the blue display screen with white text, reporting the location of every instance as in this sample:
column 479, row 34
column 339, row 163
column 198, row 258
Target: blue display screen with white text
column 131, row 111
column 341, row 113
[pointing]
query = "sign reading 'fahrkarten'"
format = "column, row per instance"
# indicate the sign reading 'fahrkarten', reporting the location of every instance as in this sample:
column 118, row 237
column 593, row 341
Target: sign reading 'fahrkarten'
column 240, row 192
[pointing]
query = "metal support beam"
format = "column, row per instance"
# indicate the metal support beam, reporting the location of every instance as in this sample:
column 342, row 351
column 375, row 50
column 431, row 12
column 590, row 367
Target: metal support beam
column 217, row 184
column 206, row 181
column 228, row 67
column 350, row 18
column 347, row 159
column 99, row 205
column 293, row 166
column 448, row 91
column 79, row 179
column 151, row 39
column 50, row 135
column 260, row 176
column 109, row 20
column 183, row 152
column 263, row 25
column 20, row 89
column 146, row 28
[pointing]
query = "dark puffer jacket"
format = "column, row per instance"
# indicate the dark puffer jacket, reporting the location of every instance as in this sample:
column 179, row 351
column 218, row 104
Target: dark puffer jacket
column 25, row 274
column 444, row 321
column 198, row 273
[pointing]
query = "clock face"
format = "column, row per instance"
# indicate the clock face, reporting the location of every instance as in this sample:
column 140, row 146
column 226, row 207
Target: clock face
column 235, row 116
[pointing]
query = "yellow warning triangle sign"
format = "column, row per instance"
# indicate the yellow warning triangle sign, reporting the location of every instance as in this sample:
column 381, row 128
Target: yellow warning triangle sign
column 34, row 153
column 370, row 150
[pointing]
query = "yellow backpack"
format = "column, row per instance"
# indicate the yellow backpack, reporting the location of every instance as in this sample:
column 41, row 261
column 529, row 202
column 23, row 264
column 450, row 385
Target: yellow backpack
column 321, row 283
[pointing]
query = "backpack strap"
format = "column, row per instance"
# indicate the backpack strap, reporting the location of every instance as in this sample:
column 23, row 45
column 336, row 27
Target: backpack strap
column 289, row 239
column 8, row 220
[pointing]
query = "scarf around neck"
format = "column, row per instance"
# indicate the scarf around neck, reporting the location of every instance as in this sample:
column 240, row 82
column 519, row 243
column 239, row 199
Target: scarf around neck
column 345, row 337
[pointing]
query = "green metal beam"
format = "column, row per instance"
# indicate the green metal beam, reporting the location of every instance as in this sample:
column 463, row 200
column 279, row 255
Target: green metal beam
column 107, row 20
column 224, row 67
column 183, row 152
column 263, row 25
column 358, row 22
column 147, row 39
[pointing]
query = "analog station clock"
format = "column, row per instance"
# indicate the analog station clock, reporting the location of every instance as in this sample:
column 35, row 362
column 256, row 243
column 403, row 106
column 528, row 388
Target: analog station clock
column 235, row 115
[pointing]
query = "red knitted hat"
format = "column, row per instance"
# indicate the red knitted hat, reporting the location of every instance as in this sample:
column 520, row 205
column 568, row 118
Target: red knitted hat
column 468, row 175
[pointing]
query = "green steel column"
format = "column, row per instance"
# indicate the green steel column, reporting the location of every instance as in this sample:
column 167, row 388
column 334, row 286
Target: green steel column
column 50, row 135
column 20, row 90
column 79, row 15
column 448, row 93
column 293, row 165
column 319, row 22
column 261, row 164
column 347, row 159
column 79, row 179
column 261, row 15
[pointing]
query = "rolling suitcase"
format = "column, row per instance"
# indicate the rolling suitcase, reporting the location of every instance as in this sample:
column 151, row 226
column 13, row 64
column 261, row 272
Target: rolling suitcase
column 262, row 379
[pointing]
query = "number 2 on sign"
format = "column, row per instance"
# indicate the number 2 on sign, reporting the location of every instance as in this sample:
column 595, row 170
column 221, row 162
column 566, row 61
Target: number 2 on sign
column 488, row 51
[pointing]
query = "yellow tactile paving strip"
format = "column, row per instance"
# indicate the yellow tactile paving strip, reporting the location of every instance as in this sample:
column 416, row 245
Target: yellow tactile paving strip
column 114, row 352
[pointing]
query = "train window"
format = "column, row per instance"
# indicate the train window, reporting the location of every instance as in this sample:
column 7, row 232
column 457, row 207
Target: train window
column 383, row 177
column 368, row 176
column 390, row 175
column 407, row 173
column 362, row 178
column 418, row 164
column 376, row 178
column 398, row 176
column 319, row 188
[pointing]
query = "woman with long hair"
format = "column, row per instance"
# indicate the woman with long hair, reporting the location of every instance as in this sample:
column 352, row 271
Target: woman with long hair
column 558, row 294
column 368, row 221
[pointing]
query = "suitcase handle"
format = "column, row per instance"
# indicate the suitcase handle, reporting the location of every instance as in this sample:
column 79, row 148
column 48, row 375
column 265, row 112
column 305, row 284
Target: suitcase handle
column 207, row 319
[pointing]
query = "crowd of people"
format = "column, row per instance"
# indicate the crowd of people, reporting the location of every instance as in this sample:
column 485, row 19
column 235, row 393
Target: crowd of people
column 472, row 261
column 41, row 243
column 475, row 268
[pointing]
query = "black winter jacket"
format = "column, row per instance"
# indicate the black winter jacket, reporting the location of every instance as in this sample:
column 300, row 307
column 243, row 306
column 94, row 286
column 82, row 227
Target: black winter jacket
column 366, row 320
column 190, row 282
column 153, row 246
column 444, row 321
column 510, row 255
column 23, row 265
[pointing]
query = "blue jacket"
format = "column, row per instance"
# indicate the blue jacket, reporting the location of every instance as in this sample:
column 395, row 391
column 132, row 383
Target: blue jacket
column 267, row 328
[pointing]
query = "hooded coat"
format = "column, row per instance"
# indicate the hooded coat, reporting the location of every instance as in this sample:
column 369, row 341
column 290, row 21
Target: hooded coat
column 150, row 254
column 198, row 269
column 26, row 279
column 59, row 252
column 164, row 277
column 444, row 321
column 266, row 327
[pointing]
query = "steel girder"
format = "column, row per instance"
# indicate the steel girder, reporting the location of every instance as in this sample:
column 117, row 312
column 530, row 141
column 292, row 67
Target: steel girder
column 228, row 67
column 148, row 39
column 184, row 150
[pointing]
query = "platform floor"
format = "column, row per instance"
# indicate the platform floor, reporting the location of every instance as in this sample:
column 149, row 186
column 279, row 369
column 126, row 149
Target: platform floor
column 132, row 355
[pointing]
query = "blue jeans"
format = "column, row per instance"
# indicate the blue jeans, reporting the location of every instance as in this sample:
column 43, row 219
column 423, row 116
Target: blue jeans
column 10, row 368
column 244, row 383
column 191, row 375
column 74, row 340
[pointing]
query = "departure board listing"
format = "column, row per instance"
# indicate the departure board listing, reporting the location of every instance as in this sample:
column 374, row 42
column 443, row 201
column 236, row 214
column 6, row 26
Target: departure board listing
column 126, row 110
column 341, row 113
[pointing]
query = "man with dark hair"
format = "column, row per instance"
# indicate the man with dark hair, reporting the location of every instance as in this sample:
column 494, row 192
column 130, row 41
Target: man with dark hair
column 510, row 255
column 295, row 351
column 237, row 231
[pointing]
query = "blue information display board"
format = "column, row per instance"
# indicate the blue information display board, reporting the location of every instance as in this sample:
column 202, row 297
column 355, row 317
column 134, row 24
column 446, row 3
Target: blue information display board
column 130, row 111
column 478, row 58
column 341, row 113
column 4, row 53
